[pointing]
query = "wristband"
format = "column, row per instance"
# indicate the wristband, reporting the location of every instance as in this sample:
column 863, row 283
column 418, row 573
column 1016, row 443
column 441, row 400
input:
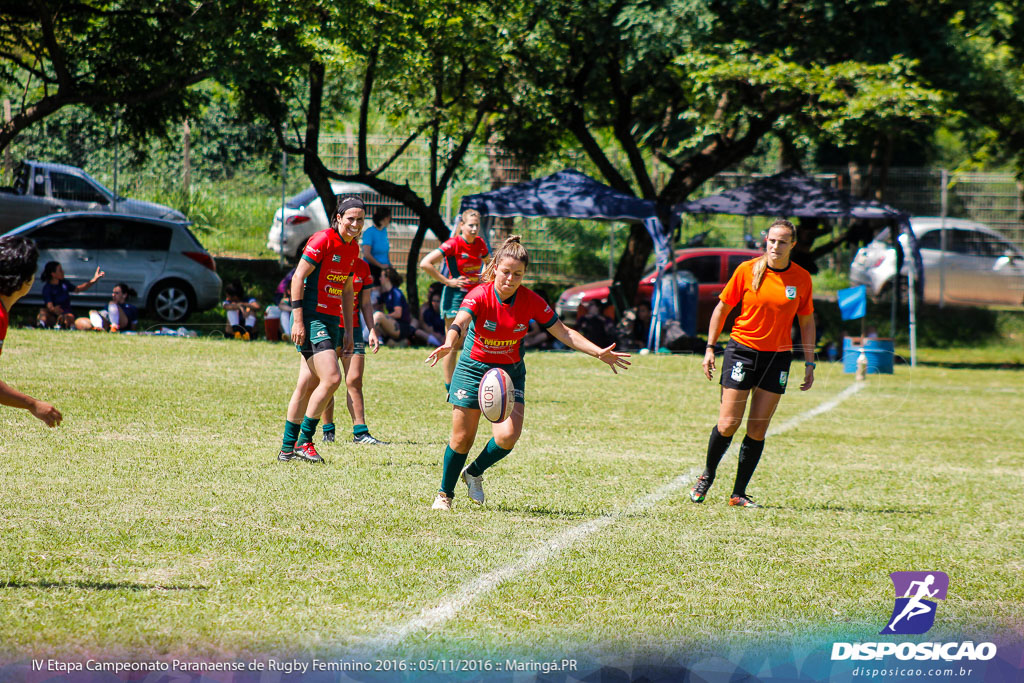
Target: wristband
column 456, row 328
column 810, row 364
column 711, row 347
column 295, row 303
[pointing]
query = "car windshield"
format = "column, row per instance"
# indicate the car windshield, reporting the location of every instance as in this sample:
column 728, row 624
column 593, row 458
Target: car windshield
column 302, row 198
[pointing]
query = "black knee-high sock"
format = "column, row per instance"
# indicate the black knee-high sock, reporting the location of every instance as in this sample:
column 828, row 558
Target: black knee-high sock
column 717, row 446
column 750, row 454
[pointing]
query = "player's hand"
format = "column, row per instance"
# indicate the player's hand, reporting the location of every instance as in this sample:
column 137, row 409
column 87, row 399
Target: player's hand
column 709, row 363
column 373, row 340
column 437, row 354
column 808, row 378
column 298, row 333
column 47, row 413
column 98, row 275
column 614, row 359
column 460, row 282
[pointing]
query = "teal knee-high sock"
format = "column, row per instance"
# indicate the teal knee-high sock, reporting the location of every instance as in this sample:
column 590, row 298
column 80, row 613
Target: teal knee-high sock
column 491, row 454
column 328, row 427
column 308, row 429
column 453, row 464
column 291, row 434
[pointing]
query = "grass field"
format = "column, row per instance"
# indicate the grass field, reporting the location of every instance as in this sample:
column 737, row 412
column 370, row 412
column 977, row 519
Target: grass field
column 156, row 521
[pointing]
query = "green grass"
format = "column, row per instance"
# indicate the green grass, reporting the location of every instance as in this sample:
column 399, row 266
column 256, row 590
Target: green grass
column 156, row 521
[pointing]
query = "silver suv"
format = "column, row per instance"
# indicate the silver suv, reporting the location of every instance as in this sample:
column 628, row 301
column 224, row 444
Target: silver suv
column 981, row 266
column 161, row 260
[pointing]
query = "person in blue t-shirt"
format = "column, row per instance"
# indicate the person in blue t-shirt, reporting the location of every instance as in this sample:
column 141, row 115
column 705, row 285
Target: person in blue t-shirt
column 56, row 311
column 395, row 321
column 377, row 249
column 120, row 315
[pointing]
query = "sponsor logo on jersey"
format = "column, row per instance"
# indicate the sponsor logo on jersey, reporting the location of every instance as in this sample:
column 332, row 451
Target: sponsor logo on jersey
column 337, row 259
column 333, row 291
column 791, row 293
column 547, row 309
column 498, row 342
column 783, row 378
column 490, row 325
column 336, row 277
column 519, row 327
column 312, row 251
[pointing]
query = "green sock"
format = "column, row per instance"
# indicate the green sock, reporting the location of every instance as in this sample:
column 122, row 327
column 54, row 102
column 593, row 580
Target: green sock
column 447, row 387
column 360, row 429
column 328, row 427
column 491, row 454
column 453, row 463
column 291, row 433
column 307, row 430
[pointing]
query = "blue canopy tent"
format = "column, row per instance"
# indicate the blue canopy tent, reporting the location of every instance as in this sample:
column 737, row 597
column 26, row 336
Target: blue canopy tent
column 571, row 194
column 793, row 194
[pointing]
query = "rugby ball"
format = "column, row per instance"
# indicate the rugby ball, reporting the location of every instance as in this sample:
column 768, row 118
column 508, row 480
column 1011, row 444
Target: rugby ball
column 496, row 395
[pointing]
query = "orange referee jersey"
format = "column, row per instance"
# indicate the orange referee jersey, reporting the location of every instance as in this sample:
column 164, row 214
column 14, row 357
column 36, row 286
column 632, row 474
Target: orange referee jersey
column 766, row 321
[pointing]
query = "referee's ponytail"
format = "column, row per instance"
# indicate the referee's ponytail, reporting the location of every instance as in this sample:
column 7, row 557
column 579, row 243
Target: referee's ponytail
column 762, row 262
column 511, row 249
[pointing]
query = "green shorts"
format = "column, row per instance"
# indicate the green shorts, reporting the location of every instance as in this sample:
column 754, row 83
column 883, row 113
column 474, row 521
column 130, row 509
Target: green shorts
column 322, row 333
column 469, row 372
column 451, row 300
column 358, row 343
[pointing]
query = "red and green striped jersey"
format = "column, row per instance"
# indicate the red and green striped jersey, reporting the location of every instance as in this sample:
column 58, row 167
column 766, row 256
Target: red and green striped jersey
column 497, row 331
column 463, row 258
column 332, row 258
column 3, row 326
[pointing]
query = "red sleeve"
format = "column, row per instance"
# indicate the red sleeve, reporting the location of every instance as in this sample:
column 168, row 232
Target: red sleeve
column 474, row 299
column 448, row 247
column 314, row 251
column 541, row 311
column 733, row 292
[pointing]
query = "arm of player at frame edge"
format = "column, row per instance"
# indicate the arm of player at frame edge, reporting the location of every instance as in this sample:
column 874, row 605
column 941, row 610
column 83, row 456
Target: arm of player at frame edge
column 429, row 264
column 718, row 316
column 298, row 287
column 450, row 337
column 364, row 303
column 808, row 335
column 347, row 302
column 9, row 396
column 575, row 340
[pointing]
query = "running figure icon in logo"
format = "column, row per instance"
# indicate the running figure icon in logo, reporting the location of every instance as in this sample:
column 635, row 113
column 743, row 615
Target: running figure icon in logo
column 913, row 612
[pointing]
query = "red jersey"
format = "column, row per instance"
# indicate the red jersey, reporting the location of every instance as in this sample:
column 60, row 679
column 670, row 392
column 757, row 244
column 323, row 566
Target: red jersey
column 3, row 326
column 464, row 258
column 766, row 321
column 333, row 259
column 497, row 331
column 360, row 276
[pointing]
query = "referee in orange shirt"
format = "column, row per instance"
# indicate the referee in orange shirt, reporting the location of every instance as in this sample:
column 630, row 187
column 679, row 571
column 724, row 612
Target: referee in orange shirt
column 772, row 290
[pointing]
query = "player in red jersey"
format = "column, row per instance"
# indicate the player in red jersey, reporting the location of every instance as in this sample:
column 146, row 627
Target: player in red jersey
column 18, row 260
column 772, row 290
column 321, row 298
column 464, row 256
column 353, row 363
column 497, row 314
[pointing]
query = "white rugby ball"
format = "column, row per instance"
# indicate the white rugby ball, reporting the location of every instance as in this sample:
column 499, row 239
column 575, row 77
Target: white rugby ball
column 496, row 395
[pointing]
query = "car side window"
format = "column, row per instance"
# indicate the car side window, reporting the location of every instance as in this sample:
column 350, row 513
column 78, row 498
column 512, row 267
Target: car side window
column 66, row 234
column 704, row 268
column 135, row 236
column 73, row 188
column 962, row 242
column 733, row 264
column 932, row 240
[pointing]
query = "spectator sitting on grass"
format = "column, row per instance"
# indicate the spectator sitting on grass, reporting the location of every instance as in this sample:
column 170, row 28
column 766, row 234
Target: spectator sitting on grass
column 120, row 315
column 241, row 312
column 429, row 327
column 395, row 321
column 56, row 311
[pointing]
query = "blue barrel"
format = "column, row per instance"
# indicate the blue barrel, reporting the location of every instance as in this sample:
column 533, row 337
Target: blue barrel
column 688, row 297
column 879, row 353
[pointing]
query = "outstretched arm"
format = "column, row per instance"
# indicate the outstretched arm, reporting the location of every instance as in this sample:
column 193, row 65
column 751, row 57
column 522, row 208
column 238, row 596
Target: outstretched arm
column 9, row 396
column 575, row 340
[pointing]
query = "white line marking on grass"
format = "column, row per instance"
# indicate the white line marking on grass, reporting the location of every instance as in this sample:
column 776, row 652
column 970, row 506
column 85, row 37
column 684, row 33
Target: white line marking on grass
column 430, row 619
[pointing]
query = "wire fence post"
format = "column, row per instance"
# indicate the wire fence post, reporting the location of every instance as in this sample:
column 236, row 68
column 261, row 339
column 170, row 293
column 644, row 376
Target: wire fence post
column 284, row 185
column 944, row 235
column 8, row 164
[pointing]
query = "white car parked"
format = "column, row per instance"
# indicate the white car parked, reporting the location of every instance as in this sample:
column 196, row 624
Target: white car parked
column 304, row 215
column 981, row 266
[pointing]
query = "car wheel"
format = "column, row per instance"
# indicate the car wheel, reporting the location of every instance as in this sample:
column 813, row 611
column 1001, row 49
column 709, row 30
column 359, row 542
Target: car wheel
column 172, row 301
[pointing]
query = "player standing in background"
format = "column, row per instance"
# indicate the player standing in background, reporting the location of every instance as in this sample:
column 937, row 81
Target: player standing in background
column 464, row 255
column 18, row 260
column 497, row 314
column 772, row 290
column 353, row 363
column 321, row 291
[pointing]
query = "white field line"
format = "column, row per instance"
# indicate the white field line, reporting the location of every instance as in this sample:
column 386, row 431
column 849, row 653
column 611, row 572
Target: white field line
column 430, row 619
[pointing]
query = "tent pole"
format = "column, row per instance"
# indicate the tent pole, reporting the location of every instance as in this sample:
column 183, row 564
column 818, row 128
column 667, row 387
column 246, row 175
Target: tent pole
column 611, row 250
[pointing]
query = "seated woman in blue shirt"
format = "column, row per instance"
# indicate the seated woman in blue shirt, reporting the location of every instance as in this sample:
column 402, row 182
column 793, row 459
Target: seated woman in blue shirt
column 395, row 321
column 56, row 311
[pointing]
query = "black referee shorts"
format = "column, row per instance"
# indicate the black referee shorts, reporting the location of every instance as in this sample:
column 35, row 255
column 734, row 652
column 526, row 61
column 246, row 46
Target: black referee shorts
column 745, row 368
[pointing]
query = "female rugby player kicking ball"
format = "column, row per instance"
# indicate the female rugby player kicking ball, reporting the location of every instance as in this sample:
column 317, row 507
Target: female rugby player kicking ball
column 497, row 314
